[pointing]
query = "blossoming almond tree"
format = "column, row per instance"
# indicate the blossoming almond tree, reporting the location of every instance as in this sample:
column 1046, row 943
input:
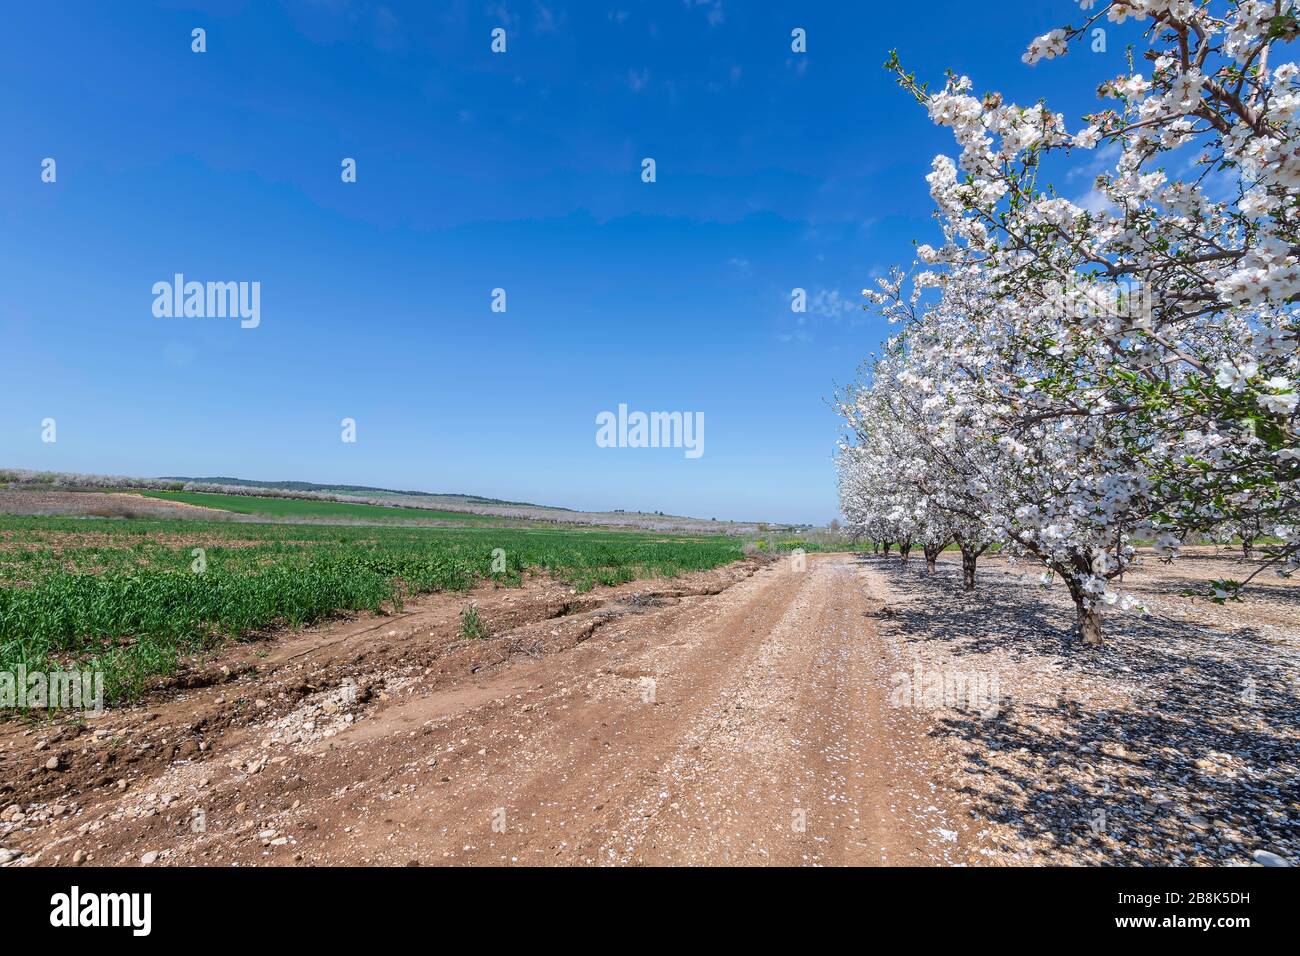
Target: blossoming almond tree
column 877, row 492
column 1153, row 328
column 962, row 406
column 886, row 480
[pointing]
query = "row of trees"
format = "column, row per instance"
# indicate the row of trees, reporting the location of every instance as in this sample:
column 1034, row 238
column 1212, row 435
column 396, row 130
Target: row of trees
column 1069, row 375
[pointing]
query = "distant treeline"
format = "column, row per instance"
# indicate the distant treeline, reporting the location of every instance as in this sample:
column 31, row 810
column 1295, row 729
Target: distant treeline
column 347, row 490
column 73, row 481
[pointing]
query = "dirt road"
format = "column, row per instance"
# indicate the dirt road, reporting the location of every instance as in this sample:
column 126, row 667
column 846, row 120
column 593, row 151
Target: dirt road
column 730, row 717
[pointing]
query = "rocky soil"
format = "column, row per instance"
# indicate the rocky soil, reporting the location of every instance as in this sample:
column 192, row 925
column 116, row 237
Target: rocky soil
column 849, row 712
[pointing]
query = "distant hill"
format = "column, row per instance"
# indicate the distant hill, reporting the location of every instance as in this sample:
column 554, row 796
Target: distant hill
column 24, row 480
column 354, row 490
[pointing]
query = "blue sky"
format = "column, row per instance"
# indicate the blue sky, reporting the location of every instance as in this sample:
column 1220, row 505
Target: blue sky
column 474, row 171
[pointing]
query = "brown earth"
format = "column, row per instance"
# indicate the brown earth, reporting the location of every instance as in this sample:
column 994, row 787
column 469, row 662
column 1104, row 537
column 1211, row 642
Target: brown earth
column 748, row 715
column 735, row 716
column 100, row 504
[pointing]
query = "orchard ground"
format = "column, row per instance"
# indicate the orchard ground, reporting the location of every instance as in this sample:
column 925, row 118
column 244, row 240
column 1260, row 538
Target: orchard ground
column 749, row 714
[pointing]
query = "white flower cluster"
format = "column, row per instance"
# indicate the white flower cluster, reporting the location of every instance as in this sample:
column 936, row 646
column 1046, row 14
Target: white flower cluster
column 1047, row 46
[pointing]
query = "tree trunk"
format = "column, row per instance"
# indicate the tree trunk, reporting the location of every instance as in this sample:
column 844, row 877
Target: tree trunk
column 1089, row 625
column 968, row 557
column 932, row 552
column 1247, row 548
column 1087, row 615
column 904, row 549
column 886, row 545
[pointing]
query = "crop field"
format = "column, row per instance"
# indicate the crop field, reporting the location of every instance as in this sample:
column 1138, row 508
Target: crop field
column 131, row 598
column 315, row 510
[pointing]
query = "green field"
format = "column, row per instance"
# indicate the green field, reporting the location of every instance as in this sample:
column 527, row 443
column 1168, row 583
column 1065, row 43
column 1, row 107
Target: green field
column 307, row 508
column 123, row 596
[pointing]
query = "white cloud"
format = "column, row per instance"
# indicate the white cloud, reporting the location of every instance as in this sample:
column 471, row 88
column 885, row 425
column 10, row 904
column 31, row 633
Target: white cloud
column 715, row 15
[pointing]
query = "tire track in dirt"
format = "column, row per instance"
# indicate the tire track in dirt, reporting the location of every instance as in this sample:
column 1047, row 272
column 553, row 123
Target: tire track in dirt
column 804, row 765
column 590, row 769
column 768, row 742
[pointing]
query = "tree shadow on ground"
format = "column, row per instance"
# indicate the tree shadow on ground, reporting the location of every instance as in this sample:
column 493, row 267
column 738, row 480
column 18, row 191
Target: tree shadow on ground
column 1172, row 742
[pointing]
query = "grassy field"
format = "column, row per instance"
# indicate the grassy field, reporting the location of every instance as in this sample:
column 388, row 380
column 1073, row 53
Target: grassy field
column 309, row 509
column 131, row 598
